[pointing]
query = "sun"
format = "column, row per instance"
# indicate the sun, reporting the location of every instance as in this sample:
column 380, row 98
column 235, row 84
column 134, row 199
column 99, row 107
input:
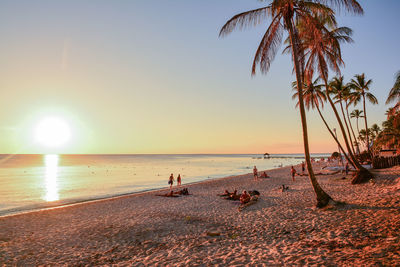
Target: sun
column 52, row 132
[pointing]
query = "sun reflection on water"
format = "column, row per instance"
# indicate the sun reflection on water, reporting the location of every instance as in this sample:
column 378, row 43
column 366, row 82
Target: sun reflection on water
column 51, row 165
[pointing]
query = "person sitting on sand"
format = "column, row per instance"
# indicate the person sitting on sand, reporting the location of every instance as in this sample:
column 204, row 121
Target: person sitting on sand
column 293, row 172
column 225, row 194
column 233, row 196
column 264, row 175
column 179, row 180
column 254, row 193
column 252, row 200
column 255, row 173
column 171, row 180
column 244, row 197
column 184, row 192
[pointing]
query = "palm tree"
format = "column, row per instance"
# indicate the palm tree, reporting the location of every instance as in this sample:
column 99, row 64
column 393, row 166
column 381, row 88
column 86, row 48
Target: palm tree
column 390, row 135
column 394, row 94
column 314, row 97
column 375, row 130
column 361, row 87
column 322, row 48
column 340, row 90
column 357, row 114
column 347, row 99
column 285, row 14
column 363, row 135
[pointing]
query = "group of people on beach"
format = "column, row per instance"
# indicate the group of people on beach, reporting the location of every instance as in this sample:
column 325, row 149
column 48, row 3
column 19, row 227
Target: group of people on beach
column 255, row 173
column 293, row 171
column 171, row 180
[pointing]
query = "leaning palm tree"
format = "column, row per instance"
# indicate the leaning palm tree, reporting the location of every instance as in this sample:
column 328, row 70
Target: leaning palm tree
column 361, row 87
column 314, row 97
column 284, row 15
column 394, row 94
column 339, row 90
column 322, row 48
column 347, row 99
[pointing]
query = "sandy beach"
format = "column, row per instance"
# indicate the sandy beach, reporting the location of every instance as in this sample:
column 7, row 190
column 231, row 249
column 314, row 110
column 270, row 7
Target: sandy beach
column 281, row 229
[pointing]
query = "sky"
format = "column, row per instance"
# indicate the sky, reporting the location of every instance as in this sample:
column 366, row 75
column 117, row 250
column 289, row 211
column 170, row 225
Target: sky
column 152, row 76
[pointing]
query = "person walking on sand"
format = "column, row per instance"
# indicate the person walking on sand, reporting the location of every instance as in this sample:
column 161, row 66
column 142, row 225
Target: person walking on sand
column 347, row 168
column 293, row 172
column 179, row 180
column 171, row 180
column 303, row 167
column 255, row 173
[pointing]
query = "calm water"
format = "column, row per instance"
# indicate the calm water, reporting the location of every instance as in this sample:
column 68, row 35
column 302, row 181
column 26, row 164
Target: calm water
column 29, row 182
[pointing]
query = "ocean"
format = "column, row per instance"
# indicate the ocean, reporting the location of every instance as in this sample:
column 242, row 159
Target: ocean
column 31, row 182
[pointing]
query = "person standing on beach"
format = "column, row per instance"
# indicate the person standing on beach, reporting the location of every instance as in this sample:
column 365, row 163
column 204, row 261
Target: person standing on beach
column 255, row 173
column 293, row 172
column 179, row 180
column 303, row 167
column 347, row 168
column 171, row 180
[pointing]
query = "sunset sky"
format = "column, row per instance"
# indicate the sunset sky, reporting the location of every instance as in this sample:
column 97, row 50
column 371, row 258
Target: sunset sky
column 147, row 76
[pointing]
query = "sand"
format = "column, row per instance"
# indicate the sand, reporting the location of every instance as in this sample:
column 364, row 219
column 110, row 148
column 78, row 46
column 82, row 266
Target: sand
column 281, row 229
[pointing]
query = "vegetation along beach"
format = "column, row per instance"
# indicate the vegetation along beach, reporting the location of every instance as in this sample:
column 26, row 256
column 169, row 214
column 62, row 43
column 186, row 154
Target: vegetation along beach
column 200, row 133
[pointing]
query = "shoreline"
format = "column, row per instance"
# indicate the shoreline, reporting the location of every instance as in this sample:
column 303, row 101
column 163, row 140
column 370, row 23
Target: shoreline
column 282, row 228
column 90, row 188
column 72, row 202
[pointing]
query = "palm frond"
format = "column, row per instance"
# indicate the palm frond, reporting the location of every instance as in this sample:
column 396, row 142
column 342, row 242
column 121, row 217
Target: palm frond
column 394, row 93
column 269, row 45
column 371, row 98
column 244, row 20
column 351, row 6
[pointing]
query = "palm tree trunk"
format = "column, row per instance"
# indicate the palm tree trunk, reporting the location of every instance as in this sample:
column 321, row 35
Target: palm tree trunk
column 359, row 135
column 358, row 166
column 347, row 126
column 358, row 129
column 346, row 141
column 334, row 137
column 351, row 127
column 362, row 174
column 366, row 125
column 322, row 197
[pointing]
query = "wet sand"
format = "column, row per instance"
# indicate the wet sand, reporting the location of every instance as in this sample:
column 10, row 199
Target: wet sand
column 282, row 228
